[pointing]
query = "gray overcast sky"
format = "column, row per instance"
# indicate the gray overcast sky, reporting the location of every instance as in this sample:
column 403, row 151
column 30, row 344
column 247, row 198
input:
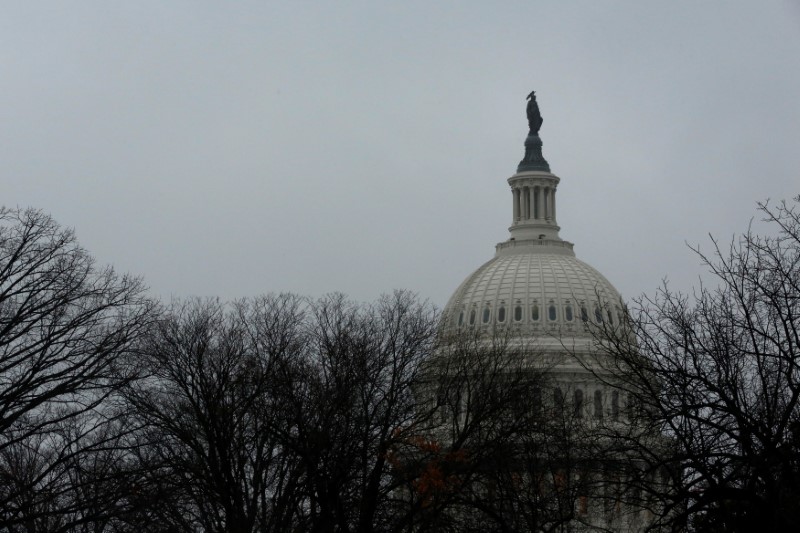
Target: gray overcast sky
column 238, row 148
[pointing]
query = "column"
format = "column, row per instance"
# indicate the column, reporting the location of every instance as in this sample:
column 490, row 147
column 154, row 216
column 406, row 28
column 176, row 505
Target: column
column 531, row 205
column 546, row 203
column 553, row 202
column 542, row 214
column 515, row 201
column 537, row 213
column 526, row 209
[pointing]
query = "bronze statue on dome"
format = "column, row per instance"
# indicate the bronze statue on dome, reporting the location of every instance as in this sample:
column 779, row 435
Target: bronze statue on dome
column 533, row 160
column 534, row 116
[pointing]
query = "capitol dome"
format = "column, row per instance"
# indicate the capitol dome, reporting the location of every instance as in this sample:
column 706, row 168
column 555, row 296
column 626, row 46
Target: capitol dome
column 535, row 291
column 536, row 303
column 535, row 285
column 542, row 303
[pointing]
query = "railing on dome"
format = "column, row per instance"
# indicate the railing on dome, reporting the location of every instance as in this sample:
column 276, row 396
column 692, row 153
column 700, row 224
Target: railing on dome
column 531, row 243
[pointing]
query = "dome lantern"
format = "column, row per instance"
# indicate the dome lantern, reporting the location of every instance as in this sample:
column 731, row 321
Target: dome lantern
column 533, row 190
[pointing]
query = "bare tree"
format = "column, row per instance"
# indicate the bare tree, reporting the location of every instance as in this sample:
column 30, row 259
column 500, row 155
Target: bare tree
column 714, row 384
column 211, row 407
column 355, row 407
column 280, row 414
column 64, row 323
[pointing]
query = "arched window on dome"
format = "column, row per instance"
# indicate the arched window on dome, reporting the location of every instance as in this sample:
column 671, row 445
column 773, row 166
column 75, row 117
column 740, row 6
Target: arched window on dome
column 552, row 314
column 487, row 313
column 578, row 403
column 461, row 318
column 568, row 312
column 598, row 404
column 537, row 401
column 598, row 316
column 584, row 313
column 615, row 405
column 558, row 400
column 501, row 313
column 535, row 311
column 444, row 408
column 518, row 312
column 472, row 317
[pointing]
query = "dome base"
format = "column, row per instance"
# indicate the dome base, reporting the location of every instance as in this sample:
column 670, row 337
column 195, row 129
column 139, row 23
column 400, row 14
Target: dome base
column 529, row 246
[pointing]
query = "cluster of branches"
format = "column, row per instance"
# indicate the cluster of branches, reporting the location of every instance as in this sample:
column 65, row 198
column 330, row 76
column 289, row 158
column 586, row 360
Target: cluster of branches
column 63, row 325
column 279, row 413
column 715, row 376
column 274, row 413
column 283, row 414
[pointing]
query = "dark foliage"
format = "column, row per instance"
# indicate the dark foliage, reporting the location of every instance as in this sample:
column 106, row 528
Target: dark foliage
column 64, row 324
column 718, row 375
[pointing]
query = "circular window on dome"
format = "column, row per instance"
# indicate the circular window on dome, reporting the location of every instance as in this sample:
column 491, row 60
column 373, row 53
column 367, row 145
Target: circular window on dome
column 486, row 315
column 472, row 317
column 535, row 312
column 501, row 313
column 551, row 311
column 518, row 312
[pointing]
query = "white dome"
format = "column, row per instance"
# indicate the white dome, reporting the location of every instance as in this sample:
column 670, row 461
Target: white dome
column 535, row 292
